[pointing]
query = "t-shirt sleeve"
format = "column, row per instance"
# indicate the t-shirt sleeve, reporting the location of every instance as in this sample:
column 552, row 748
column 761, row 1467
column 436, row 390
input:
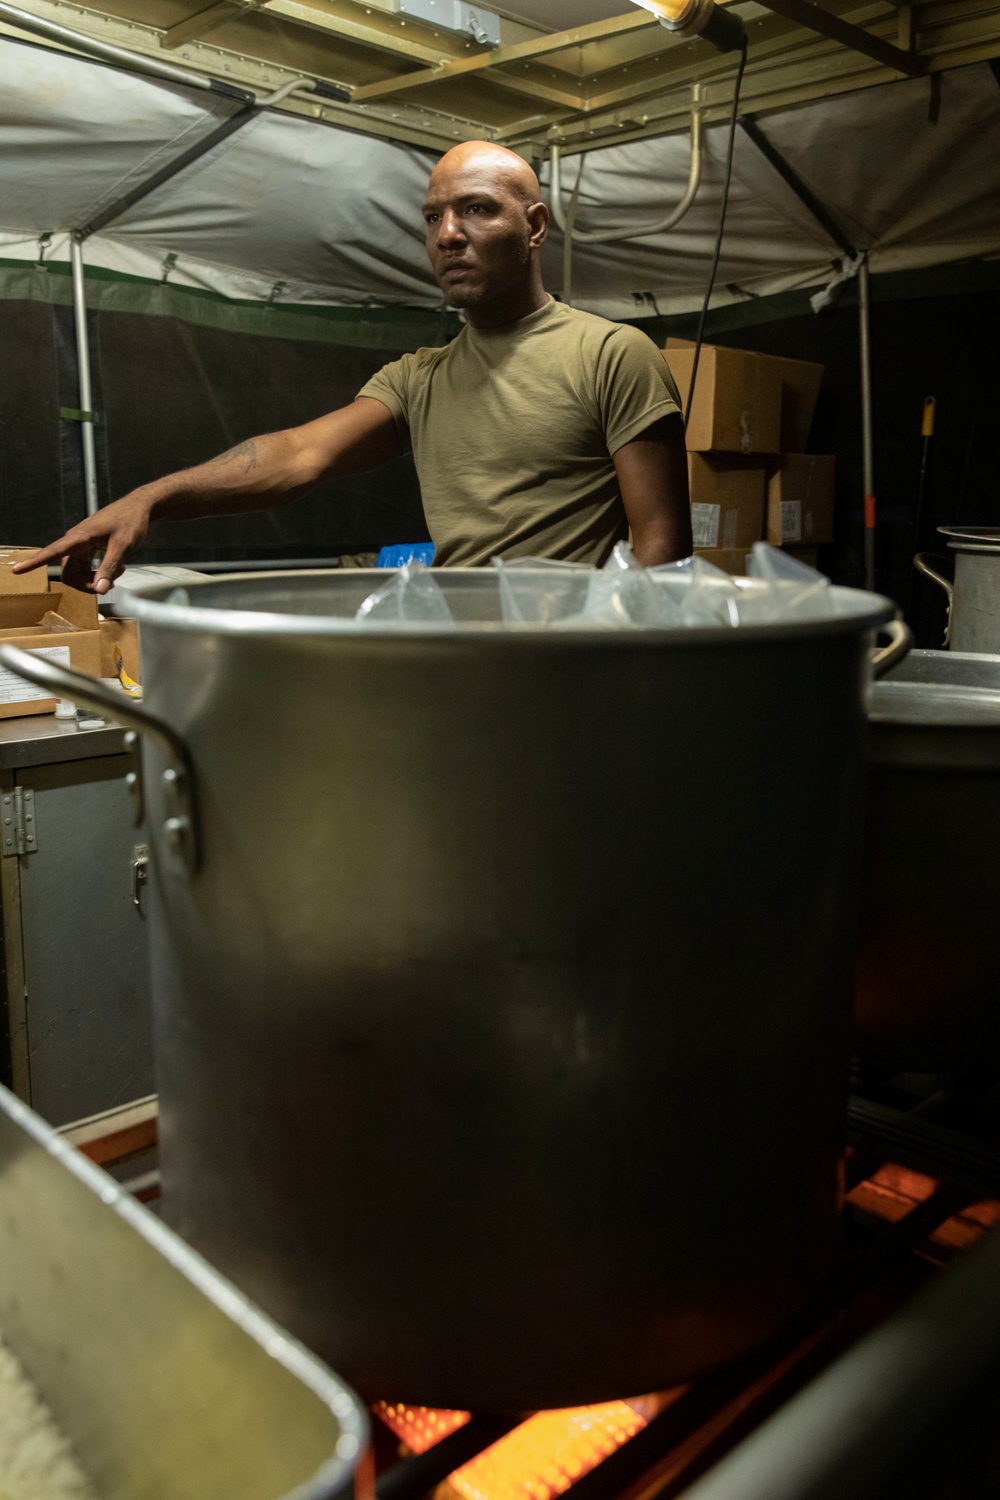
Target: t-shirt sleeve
column 391, row 386
column 634, row 386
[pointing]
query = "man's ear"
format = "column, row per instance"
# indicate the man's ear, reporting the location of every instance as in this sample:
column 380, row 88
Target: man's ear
column 538, row 222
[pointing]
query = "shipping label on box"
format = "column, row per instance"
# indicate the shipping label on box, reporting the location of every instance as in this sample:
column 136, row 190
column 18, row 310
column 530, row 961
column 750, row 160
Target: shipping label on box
column 705, row 524
column 800, row 497
column 14, row 689
column 727, row 500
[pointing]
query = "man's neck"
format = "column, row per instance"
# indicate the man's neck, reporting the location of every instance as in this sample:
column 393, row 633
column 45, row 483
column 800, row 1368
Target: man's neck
column 527, row 300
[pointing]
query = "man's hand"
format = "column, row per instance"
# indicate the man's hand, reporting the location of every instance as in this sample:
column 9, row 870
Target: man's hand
column 116, row 530
column 653, row 479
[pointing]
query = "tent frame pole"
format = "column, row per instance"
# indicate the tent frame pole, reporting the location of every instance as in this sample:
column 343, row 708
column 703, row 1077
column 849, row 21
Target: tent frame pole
column 867, row 454
column 83, row 375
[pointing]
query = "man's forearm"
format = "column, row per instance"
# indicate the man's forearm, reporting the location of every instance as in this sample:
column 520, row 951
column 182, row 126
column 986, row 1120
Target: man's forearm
column 255, row 475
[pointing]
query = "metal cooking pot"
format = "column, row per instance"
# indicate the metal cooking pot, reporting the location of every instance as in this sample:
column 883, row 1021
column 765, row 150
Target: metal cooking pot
column 974, row 595
column 927, row 990
column 501, row 977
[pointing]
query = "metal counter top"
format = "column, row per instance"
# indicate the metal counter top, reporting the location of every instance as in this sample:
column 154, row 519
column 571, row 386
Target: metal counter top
column 44, row 740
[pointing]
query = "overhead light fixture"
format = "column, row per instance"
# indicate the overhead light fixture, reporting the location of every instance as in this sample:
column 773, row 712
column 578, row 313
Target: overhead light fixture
column 689, row 18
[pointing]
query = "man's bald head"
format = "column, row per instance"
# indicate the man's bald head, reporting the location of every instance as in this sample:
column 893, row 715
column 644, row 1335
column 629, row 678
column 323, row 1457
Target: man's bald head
column 482, row 160
column 485, row 227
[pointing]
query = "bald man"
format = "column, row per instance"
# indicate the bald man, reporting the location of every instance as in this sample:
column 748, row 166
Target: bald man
column 540, row 431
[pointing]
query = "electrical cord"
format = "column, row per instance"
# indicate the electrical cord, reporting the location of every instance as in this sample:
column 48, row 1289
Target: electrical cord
column 721, row 230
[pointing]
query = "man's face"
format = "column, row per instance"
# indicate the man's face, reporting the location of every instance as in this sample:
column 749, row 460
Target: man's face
column 479, row 234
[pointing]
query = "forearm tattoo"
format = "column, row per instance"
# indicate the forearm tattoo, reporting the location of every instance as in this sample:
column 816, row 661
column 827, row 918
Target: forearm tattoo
column 247, row 451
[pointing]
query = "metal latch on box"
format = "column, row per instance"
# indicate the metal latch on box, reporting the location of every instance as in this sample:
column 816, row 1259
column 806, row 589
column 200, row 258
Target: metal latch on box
column 19, row 833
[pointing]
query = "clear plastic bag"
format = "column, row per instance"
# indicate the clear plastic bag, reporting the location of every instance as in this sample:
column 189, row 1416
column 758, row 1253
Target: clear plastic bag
column 410, row 597
column 624, row 595
column 534, row 591
column 794, row 590
column 711, row 596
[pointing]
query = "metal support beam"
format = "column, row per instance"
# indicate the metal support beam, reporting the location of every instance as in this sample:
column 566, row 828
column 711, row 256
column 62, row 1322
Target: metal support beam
column 805, row 195
column 558, row 41
column 816, row 19
column 170, row 169
column 204, row 21
column 83, row 376
column 108, row 52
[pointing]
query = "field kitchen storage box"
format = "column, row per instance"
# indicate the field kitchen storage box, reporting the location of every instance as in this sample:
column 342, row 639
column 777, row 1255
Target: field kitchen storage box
column 737, row 399
column 800, row 500
column 727, row 500
column 61, row 622
column 800, row 381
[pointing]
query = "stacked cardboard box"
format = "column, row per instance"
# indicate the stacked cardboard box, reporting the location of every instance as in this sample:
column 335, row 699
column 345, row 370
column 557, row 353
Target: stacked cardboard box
column 749, row 475
column 60, row 623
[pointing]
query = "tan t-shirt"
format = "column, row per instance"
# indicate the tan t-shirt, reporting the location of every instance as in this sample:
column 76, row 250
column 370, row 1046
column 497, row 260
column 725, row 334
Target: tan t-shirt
column 513, row 430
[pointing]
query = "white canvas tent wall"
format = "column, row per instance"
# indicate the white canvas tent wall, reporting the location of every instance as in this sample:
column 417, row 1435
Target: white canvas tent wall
column 292, row 211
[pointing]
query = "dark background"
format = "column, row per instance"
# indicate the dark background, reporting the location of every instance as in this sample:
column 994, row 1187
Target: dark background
column 172, row 393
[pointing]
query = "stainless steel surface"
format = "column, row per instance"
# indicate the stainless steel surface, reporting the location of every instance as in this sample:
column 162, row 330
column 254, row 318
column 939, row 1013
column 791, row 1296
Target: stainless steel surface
column 83, row 374
column 41, row 739
column 180, row 813
column 974, row 595
column 77, row 950
column 167, row 1381
column 471, row 1042
column 928, row 974
column 861, row 1428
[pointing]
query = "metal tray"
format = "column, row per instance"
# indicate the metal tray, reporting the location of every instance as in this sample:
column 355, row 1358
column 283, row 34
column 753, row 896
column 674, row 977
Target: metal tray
column 168, row 1382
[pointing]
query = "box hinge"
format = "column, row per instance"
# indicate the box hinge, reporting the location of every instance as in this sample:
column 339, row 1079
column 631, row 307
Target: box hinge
column 20, row 835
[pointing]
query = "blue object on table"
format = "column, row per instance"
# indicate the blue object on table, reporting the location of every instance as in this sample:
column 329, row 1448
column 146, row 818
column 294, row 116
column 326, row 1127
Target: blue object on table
column 405, row 552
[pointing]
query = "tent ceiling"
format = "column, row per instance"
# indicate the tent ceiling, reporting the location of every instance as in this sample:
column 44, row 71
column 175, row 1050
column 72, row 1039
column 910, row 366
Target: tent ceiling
column 616, row 78
column 295, row 212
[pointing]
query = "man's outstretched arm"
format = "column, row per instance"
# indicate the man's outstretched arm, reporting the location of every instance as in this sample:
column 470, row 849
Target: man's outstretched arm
column 653, row 479
column 262, row 472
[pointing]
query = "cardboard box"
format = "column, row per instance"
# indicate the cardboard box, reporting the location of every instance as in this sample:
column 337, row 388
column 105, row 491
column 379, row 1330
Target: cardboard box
column 727, row 500
column 799, row 381
column 800, row 500
column 737, row 399
column 62, row 622
column 20, row 583
column 730, row 559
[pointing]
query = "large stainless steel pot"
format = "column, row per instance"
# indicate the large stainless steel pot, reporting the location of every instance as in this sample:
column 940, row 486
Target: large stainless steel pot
column 502, row 977
column 974, row 595
column 928, row 976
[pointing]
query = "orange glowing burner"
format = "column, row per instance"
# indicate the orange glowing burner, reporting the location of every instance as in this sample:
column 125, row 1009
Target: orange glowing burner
column 547, row 1453
column 541, row 1458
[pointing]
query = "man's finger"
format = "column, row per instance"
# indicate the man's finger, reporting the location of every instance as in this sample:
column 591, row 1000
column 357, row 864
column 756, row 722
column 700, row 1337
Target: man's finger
column 108, row 569
column 46, row 555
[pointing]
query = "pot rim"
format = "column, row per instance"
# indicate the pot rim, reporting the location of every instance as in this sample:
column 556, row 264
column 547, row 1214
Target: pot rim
column 870, row 611
column 972, row 538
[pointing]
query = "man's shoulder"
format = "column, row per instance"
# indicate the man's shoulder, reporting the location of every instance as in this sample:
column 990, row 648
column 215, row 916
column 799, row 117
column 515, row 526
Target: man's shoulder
column 592, row 329
column 418, row 363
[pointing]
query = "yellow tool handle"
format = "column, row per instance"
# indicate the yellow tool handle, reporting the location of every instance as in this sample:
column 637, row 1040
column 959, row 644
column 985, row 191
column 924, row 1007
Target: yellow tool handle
column 927, row 425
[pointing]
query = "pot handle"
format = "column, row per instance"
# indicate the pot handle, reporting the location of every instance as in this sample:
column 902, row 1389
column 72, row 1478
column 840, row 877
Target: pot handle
column 922, row 564
column 181, row 826
column 885, row 659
